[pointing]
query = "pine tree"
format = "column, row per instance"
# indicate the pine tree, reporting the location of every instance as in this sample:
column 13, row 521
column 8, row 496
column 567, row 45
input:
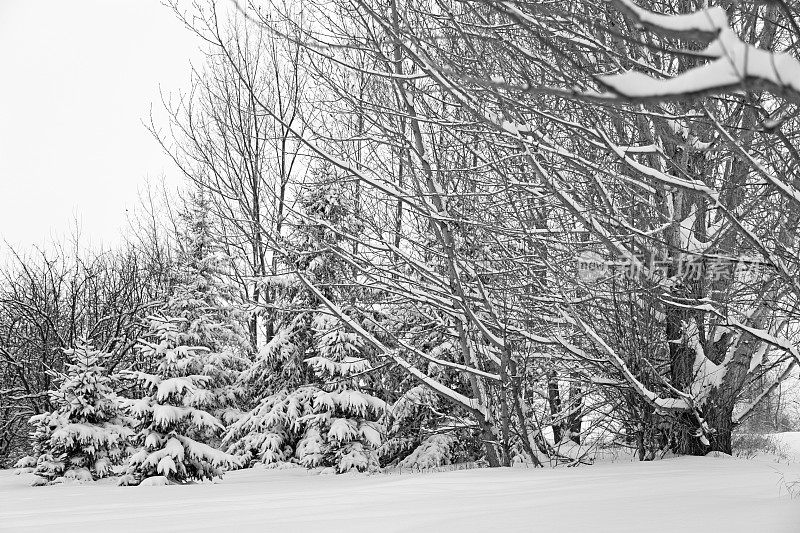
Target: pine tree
column 340, row 433
column 309, row 379
column 85, row 437
column 210, row 309
column 174, row 424
column 422, row 430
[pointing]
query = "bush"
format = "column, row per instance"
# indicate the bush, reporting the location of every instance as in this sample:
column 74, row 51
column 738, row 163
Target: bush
column 749, row 445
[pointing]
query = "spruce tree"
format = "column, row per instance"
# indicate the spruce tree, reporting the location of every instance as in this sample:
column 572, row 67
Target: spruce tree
column 174, row 425
column 86, row 436
column 343, row 431
column 210, row 308
column 309, row 380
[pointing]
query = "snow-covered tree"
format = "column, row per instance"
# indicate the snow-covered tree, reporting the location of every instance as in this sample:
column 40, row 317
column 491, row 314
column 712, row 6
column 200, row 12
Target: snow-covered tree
column 211, row 312
column 423, row 430
column 481, row 170
column 312, row 406
column 410, row 442
column 86, row 436
column 343, row 430
column 173, row 421
column 330, row 421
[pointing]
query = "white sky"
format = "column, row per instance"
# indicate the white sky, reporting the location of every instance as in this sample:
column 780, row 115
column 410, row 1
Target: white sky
column 77, row 78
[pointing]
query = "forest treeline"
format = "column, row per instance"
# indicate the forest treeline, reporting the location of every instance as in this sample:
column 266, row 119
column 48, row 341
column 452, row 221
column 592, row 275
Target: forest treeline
column 424, row 232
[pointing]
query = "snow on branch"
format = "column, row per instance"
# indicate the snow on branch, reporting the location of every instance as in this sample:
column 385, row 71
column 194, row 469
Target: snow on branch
column 742, row 414
column 701, row 25
column 661, row 404
column 778, row 342
column 456, row 397
column 734, row 63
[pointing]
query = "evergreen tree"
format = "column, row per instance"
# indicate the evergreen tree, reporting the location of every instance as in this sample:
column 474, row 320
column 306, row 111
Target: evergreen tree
column 85, row 437
column 175, row 427
column 340, row 432
column 210, row 309
column 309, row 380
column 422, row 430
column 43, row 426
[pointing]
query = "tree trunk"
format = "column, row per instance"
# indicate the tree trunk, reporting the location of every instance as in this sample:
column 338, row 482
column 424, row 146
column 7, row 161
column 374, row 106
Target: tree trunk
column 554, row 399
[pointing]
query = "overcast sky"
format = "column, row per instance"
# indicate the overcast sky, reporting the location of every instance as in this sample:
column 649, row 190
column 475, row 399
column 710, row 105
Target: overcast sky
column 78, row 77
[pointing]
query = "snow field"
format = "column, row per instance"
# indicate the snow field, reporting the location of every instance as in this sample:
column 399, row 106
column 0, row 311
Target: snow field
column 681, row 494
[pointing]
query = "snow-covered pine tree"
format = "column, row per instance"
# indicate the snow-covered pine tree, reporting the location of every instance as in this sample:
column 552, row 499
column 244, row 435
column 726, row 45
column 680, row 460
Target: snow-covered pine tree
column 174, row 425
column 210, row 309
column 310, row 379
column 85, row 437
column 278, row 383
column 341, row 433
column 422, row 430
column 42, row 426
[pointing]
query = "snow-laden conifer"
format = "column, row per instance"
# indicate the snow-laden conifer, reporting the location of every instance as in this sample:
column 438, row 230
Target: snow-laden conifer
column 309, row 380
column 422, row 430
column 85, row 437
column 175, row 426
column 210, row 309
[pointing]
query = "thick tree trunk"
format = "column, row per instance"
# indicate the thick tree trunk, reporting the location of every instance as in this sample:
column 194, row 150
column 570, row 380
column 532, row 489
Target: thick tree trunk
column 490, row 445
column 554, row 399
column 574, row 421
column 718, row 416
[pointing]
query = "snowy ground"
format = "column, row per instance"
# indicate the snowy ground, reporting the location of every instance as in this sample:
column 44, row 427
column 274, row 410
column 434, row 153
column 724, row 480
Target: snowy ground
column 679, row 494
